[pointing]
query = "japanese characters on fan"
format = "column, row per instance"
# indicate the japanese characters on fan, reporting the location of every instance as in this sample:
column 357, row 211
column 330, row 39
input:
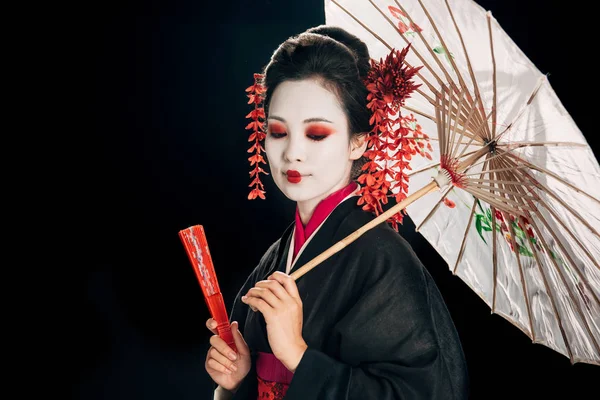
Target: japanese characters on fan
column 368, row 322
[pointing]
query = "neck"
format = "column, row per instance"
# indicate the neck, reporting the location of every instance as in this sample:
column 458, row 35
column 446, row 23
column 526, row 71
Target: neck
column 307, row 208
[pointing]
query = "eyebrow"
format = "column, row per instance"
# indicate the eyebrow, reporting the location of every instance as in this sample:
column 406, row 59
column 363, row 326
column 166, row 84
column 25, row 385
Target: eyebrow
column 306, row 121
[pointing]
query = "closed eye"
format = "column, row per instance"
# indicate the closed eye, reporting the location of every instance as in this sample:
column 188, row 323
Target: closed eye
column 277, row 135
column 316, row 138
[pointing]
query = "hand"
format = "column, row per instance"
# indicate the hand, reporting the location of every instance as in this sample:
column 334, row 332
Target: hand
column 277, row 298
column 226, row 371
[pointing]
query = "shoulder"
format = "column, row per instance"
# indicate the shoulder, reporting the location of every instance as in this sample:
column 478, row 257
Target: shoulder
column 383, row 252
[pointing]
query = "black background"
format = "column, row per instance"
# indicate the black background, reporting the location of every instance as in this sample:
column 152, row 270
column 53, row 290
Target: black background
column 164, row 85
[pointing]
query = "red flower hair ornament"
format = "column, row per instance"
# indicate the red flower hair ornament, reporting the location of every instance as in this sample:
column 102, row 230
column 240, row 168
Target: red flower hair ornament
column 392, row 142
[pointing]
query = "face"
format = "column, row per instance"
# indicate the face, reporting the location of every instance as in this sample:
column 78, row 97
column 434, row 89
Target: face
column 308, row 143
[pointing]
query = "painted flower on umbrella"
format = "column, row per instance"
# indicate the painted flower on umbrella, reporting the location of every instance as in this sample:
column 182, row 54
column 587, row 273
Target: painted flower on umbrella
column 521, row 227
column 394, row 138
column 255, row 95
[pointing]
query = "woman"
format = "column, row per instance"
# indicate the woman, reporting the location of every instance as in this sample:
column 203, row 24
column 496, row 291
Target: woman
column 367, row 323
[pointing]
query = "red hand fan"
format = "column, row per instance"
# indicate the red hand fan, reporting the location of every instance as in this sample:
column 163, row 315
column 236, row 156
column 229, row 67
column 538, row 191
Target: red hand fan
column 196, row 246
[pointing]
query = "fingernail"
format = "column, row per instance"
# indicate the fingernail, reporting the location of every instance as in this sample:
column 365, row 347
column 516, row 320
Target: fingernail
column 233, row 367
column 233, row 356
column 244, row 298
column 228, row 371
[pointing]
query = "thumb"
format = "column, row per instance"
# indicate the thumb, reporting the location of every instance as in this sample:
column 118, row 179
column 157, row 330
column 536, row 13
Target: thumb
column 240, row 343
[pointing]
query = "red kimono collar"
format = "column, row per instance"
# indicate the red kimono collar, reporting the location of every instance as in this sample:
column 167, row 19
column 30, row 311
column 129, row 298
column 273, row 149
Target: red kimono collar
column 323, row 209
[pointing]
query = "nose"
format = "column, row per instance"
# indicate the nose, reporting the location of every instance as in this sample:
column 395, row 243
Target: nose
column 295, row 150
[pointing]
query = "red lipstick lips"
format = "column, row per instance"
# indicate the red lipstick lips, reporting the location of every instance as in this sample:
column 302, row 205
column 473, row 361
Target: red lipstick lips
column 293, row 176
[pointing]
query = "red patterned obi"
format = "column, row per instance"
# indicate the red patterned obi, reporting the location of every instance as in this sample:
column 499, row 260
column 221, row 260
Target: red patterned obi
column 273, row 377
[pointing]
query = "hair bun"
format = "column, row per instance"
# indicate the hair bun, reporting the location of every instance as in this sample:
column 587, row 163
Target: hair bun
column 353, row 43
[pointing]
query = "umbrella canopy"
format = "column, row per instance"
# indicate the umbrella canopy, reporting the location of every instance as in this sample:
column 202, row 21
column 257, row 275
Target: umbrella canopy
column 519, row 217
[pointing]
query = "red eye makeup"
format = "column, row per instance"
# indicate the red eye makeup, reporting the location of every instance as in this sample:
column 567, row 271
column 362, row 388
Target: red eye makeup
column 276, row 130
column 319, row 132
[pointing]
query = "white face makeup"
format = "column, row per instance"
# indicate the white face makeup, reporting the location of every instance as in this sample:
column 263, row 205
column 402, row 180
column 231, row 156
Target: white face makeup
column 307, row 144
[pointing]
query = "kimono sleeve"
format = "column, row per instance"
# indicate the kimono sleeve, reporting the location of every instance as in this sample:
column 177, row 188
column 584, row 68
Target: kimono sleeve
column 396, row 342
column 239, row 310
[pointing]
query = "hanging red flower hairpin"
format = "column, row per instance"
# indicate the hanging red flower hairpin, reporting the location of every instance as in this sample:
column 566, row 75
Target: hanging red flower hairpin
column 394, row 138
column 256, row 96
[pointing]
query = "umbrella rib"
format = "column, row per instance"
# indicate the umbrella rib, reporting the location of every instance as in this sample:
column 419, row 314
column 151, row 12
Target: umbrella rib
column 434, row 139
column 462, row 133
column 434, row 209
column 447, row 129
column 417, row 53
column 568, row 230
column 578, row 307
column 505, row 176
column 560, row 221
column 437, row 163
column 494, row 244
column 467, row 230
column 522, row 276
column 575, row 238
column 495, row 170
column 494, row 101
column 466, row 53
column 450, row 58
column 573, row 264
column 456, row 122
column 460, row 116
column 555, row 176
column 530, row 144
column 464, row 240
column 522, row 111
column 504, row 190
column 431, row 52
column 483, row 124
column 543, row 188
column 425, row 63
column 549, row 293
column 499, row 202
column 570, row 259
column 427, row 83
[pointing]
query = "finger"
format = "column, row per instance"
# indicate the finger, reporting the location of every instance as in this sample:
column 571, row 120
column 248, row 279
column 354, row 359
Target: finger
column 222, row 347
column 211, row 324
column 275, row 287
column 240, row 342
column 287, row 282
column 214, row 365
column 266, row 295
column 221, row 359
column 259, row 304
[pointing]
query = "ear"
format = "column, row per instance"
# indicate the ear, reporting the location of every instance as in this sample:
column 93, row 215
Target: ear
column 358, row 146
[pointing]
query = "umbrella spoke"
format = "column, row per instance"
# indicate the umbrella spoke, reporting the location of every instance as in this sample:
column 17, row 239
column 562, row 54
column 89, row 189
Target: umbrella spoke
column 467, row 230
column 522, row 111
column 558, row 219
column 549, row 292
column 552, row 174
column 495, row 94
column 521, row 275
column 558, row 269
column 428, row 167
column 581, row 276
column 548, row 191
column 469, row 65
column 569, row 258
column 517, row 145
column 434, row 209
column 382, row 41
column 494, row 244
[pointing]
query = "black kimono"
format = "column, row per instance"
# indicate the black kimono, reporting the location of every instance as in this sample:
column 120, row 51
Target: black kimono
column 375, row 323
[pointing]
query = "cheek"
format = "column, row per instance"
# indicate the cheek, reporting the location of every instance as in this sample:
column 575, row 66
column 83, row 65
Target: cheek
column 272, row 150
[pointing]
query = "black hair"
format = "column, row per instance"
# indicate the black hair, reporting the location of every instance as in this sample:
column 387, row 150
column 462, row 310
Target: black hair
column 336, row 58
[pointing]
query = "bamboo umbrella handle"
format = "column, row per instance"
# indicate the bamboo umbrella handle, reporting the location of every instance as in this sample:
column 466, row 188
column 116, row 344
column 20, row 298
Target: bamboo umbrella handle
column 433, row 185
